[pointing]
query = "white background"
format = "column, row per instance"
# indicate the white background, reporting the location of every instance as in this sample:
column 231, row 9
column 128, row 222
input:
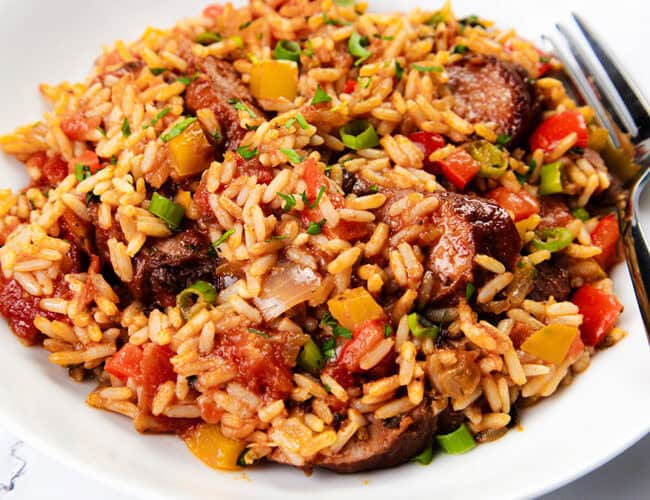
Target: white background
column 623, row 23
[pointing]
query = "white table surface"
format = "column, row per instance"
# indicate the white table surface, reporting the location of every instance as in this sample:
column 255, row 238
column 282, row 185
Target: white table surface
column 27, row 474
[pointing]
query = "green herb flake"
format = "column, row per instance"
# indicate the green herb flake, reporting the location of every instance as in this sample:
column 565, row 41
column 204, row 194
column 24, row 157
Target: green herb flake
column 581, row 213
column 291, row 155
column 160, row 116
column 184, row 80
column 330, row 21
column 329, row 348
column 437, row 18
column 321, row 191
column 337, row 329
column 428, row 69
column 113, row 160
column 224, row 237
column 208, row 38
column 315, row 227
column 157, row 71
column 258, row 332
column 470, row 288
column 460, row 49
column 503, row 139
column 388, row 331
column 246, row 153
column 126, row 128
column 320, row 96
column 309, row 51
column 327, row 388
column 245, row 25
column 399, row 71
column 289, row 201
column 383, row 37
column 178, row 129
column 302, row 122
column 374, row 188
column 101, row 130
column 81, row 172
column 240, row 106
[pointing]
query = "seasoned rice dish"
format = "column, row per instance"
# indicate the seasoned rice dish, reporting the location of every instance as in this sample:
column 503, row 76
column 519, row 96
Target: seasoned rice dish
column 302, row 232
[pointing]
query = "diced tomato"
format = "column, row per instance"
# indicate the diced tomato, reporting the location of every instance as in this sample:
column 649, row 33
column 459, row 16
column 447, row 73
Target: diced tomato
column 521, row 204
column 428, row 142
column 125, row 363
column 76, row 126
column 364, row 337
column 90, row 159
column 210, row 412
column 314, row 179
column 544, row 65
column 54, row 170
column 599, row 311
column 213, row 11
column 606, row 235
column 460, row 168
column 556, row 127
column 350, row 85
column 156, row 370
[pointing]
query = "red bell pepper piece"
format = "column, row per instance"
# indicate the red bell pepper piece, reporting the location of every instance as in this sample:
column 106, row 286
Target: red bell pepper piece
column 556, row 127
column 428, row 143
column 156, row 370
column 364, row 337
column 606, row 235
column 350, row 85
column 600, row 312
column 459, row 168
column 213, row 11
column 521, row 204
column 125, row 363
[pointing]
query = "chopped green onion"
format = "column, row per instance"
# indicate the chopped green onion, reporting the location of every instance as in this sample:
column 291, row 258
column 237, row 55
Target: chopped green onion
column 460, row 49
column 157, row 71
column 522, row 178
column 287, row 50
column 172, row 213
column 337, row 329
column 258, row 332
column 291, row 155
column 126, row 128
column 320, row 96
column 553, row 239
column 330, row 21
column 425, row 457
column 366, row 84
column 160, row 116
column 245, row 25
column 315, row 227
column 359, row 134
column 81, row 172
column 302, row 122
column 199, row 294
column 101, row 130
column 472, row 20
column 428, row 69
column 357, row 47
column 217, row 136
column 113, row 160
column 177, row 129
column 240, row 106
column 241, row 459
column 399, row 71
column 310, row 358
column 503, row 139
column 316, row 201
column 383, row 37
column 208, row 38
column 469, row 290
column 437, row 18
column 374, row 188
column 329, row 348
column 246, row 153
column 185, row 80
column 289, row 201
column 493, row 161
column 309, row 51
column 581, row 213
column 388, row 331
column 550, row 178
column 344, row 3
column 222, row 239
column 459, row 441
column 420, row 331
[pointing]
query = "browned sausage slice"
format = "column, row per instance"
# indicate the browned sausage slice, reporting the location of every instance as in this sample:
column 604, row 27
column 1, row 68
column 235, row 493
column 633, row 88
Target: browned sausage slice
column 488, row 90
column 217, row 84
column 551, row 280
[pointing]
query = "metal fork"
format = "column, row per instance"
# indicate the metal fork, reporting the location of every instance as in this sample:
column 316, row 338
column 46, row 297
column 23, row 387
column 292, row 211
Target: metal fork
column 621, row 108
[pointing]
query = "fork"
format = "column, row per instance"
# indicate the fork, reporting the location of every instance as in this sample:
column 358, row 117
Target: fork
column 621, row 108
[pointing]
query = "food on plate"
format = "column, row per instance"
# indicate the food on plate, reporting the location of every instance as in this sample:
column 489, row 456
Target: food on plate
column 300, row 232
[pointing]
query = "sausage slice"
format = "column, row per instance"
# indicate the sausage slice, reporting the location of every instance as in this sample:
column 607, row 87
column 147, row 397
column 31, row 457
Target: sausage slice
column 488, row 90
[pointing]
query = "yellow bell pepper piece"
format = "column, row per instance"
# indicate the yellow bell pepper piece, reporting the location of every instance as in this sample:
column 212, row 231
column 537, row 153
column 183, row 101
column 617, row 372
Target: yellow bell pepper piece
column 190, row 152
column 183, row 198
column 215, row 450
column 551, row 343
column 353, row 307
column 274, row 79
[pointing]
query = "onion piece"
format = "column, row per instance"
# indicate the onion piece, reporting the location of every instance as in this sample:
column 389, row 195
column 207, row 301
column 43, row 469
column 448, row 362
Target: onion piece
column 287, row 285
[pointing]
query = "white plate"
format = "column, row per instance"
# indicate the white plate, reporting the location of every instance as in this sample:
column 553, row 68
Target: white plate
column 601, row 414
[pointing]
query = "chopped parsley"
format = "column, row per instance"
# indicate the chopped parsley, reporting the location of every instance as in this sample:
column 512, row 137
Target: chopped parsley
column 437, row 18
column 245, row 25
column 240, row 106
column 291, row 155
column 217, row 136
column 315, row 227
column 208, row 38
column 522, row 178
column 427, row 69
column 258, row 332
column 178, row 129
column 160, row 116
column 81, row 172
column 399, row 71
column 388, row 331
column 246, row 153
column 460, row 49
column 503, row 139
column 301, row 121
column 383, row 37
column 374, row 188
column 344, row 3
column 309, row 51
column 157, row 71
column 330, row 21
column 327, row 388
column 184, row 80
column 101, row 130
column 316, row 201
column 329, row 348
column 113, row 160
column 337, row 329
column 472, row 20
column 126, row 128
column 289, row 201
column 320, row 96
column 469, row 290
column 224, row 237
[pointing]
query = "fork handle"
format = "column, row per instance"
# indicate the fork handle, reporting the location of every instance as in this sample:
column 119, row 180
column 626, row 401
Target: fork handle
column 636, row 248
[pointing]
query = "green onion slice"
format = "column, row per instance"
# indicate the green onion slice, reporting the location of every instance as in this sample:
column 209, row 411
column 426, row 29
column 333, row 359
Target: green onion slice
column 494, row 162
column 581, row 213
column 425, row 457
column 287, row 50
column 209, row 37
column 310, row 358
column 291, row 155
column 553, row 240
column 177, row 129
column 195, row 297
column 550, row 178
column 81, row 172
column 172, row 213
column 357, row 47
column 428, row 69
column 459, row 441
column 320, row 96
column 359, row 134
column 421, row 331
column 289, row 201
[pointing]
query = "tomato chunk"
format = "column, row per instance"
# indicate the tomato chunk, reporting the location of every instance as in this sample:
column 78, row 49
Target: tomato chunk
column 156, row 370
column 54, row 170
column 600, row 311
column 521, row 204
column 90, row 159
column 460, row 168
column 125, row 363
column 428, row 142
column 364, row 337
column 556, row 127
column 213, row 11
column 350, row 85
column 606, row 235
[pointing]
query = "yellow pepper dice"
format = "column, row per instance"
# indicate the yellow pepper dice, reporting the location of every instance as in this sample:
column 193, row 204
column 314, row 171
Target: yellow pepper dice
column 215, row 450
column 353, row 307
column 190, row 152
column 551, row 343
column 274, row 79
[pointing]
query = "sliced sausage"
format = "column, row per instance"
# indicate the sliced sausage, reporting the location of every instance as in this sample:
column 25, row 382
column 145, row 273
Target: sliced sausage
column 488, row 90
column 217, row 84
column 553, row 213
column 470, row 226
column 551, row 280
